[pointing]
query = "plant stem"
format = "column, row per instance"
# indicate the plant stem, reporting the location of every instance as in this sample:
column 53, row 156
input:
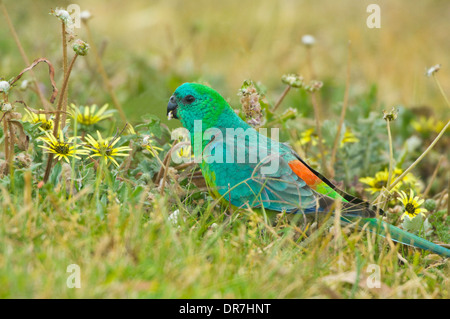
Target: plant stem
column 283, row 95
column 61, row 97
column 391, row 153
column 44, row 102
column 65, row 93
column 398, row 179
column 317, row 114
column 441, row 90
column 57, row 117
column 344, row 109
column 72, row 176
column 6, row 133
column 319, row 133
column 391, row 158
column 430, row 182
column 448, row 196
column 105, row 78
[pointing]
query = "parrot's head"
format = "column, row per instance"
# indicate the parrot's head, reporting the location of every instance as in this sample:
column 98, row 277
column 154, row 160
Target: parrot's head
column 192, row 101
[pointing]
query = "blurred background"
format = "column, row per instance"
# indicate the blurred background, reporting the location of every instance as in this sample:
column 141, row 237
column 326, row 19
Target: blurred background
column 150, row 47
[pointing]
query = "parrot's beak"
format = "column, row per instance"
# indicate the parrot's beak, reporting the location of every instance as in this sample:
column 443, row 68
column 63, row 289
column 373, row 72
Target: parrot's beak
column 172, row 108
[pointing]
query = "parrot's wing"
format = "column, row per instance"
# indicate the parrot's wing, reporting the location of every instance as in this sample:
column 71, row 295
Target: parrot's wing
column 284, row 190
column 251, row 169
column 256, row 173
column 352, row 206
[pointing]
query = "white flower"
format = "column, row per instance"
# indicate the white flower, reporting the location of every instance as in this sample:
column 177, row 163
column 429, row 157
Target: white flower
column 293, row 80
column 308, row 40
column 4, row 86
column 63, row 15
column 24, row 84
column 181, row 134
column 85, row 15
column 146, row 140
column 433, row 70
column 173, row 218
column 6, row 107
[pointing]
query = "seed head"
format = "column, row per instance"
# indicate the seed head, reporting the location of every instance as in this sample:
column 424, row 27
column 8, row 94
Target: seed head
column 308, row 40
column 85, row 15
column 293, row 80
column 4, row 86
column 313, row 86
column 391, row 115
column 6, row 107
column 433, row 70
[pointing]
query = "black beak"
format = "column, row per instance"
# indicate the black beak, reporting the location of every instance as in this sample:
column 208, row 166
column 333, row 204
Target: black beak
column 172, row 108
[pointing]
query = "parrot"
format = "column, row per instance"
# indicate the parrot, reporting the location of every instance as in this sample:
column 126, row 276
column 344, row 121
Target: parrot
column 247, row 169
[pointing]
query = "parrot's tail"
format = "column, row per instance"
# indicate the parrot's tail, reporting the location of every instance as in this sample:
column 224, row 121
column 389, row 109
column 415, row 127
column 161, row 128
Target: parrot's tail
column 399, row 235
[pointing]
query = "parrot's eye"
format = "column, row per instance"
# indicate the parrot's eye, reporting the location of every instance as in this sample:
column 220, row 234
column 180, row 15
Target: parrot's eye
column 189, row 99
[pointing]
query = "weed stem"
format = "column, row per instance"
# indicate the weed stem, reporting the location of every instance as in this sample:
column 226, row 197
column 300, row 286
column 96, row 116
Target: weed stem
column 44, row 102
column 344, row 110
column 105, row 78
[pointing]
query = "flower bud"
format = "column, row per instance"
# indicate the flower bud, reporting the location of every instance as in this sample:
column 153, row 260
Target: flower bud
column 80, row 47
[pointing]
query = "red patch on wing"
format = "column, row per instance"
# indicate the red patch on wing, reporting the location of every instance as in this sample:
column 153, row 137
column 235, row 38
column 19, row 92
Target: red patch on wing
column 304, row 173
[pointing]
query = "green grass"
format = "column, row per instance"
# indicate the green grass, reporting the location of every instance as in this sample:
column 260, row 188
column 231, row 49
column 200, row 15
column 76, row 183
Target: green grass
column 134, row 253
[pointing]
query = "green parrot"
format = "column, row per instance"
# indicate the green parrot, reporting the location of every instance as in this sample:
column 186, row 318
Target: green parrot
column 247, row 169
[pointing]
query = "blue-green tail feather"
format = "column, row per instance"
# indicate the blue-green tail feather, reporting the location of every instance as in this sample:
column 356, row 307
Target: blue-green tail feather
column 399, row 235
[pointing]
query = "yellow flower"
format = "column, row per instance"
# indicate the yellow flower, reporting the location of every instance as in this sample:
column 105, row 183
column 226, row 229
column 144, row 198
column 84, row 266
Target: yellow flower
column 182, row 153
column 62, row 148
column 45, row 124
column 411, row 204
column 89, row 115
column 147, row 143
column 427, row 125
column 380, row 180
column 130, row 130
column 309, row 136
column 105, row 148
column 411, row 182
column 349, row 137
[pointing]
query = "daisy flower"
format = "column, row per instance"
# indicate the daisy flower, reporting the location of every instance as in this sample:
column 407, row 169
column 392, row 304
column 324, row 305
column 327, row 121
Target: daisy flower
column 349, row 137
column 380, row 179
column 309, row 136
column 105, row 148
column 89, row 115
column 412, row 205
column 61, row 147
column 148, row 144
column 45, row 124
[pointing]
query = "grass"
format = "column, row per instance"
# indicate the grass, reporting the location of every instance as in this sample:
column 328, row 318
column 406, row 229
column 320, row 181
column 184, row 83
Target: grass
column 118, row 224
column 134, row 254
